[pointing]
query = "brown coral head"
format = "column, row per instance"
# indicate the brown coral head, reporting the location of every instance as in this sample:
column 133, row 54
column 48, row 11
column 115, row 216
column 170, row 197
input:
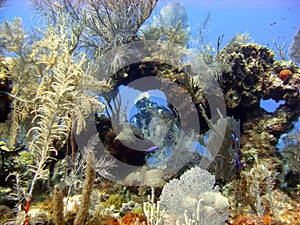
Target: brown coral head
column 4, row 82
column 285, row 74
column 232, row 98
column 196, row 98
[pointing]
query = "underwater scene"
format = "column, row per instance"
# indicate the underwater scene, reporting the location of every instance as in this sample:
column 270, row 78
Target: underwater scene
column 149, row 112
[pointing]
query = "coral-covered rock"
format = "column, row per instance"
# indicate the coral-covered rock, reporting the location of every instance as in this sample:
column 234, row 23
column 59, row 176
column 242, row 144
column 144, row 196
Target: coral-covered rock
column 6, row 214
column 119, row 140
column 5, row 89
column 146, row 177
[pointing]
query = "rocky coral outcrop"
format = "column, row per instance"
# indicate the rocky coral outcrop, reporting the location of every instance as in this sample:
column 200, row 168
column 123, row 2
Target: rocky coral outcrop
column 248, row 73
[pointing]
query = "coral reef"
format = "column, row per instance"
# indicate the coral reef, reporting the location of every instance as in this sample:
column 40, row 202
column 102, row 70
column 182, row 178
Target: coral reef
column 112, row 140
column 253, row 75
column 53, row 82
column 115, row 200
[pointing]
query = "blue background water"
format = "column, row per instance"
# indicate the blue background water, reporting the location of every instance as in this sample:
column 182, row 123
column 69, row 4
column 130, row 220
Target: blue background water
column 228, row 17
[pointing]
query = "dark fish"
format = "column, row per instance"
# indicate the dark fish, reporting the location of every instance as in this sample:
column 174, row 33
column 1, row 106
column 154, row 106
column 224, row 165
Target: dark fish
column 152, row 149
column 237, row 161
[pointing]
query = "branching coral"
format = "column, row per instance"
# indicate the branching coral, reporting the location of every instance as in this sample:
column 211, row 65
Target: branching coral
column 49, row 64
column 52, row 90
column 108, row 23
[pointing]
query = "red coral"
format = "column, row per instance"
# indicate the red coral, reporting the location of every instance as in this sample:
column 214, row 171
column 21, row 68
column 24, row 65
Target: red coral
column 253, row 220
column 285, row 74
column 111, row 221
column 130, row 218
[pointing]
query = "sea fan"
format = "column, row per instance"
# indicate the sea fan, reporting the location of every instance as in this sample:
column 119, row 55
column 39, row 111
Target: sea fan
column 194, row 199
column 107, row 24
column 172, row 14
column 171, row 24
column 294, row 52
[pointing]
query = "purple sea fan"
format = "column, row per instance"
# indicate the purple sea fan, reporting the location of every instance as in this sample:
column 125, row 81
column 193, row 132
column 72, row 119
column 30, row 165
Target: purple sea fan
column 153, row 148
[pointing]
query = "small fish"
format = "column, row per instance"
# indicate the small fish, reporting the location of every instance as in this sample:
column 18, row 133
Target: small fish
column 152, row 149
column 237, row 161
column 274, row 23
column 284, row 185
